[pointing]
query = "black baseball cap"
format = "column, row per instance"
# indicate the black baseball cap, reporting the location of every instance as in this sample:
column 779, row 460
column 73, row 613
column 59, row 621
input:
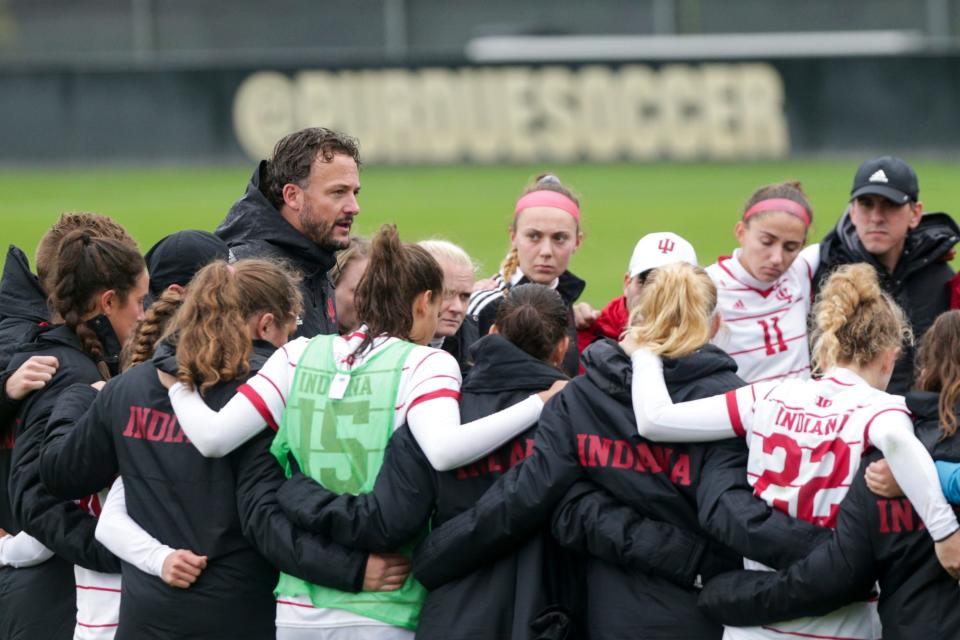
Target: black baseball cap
column 889, row 177
column 177, row 257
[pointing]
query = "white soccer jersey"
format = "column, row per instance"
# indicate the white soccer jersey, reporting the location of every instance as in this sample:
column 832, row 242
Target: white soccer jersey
column 765, row 325
column 806, row 440
column 98, row 594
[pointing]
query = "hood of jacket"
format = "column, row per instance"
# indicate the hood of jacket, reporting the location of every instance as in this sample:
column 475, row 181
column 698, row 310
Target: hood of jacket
column 254, row 220
column 610, row 370
column 20, row 293
column 165, row 356
column 932, row 240
column 500, row 366
column 924, row 407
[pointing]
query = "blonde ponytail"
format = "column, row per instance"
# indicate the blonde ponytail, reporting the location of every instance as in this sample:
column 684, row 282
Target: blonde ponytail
column 674, row 316
column 509, row 267
column 855, row 320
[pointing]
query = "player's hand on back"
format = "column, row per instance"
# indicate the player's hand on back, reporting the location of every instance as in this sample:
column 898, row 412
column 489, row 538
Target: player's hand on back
column 182, row 568
column 166, row 379
column 554, row 389
column 385, row 572
column 32, row 375
column 880, row 480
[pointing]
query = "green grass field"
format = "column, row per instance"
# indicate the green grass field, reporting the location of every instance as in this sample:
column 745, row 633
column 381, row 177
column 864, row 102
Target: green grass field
column 468, row 205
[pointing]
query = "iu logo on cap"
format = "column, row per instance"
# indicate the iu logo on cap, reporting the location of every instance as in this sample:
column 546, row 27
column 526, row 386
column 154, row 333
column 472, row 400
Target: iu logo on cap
column 666, row 245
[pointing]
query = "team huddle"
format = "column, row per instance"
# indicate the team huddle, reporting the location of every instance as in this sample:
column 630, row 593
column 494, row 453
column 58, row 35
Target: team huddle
column 278, row 430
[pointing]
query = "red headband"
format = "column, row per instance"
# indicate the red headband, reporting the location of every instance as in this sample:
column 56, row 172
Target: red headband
column 545, row 198
column 780, row 204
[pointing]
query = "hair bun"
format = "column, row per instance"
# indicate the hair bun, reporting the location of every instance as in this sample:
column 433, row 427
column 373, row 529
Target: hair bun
column 548, row 178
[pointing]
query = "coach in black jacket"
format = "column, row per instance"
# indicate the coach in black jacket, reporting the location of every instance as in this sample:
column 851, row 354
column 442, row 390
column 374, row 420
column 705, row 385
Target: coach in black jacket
column 588, row 431
column 884, row 198
column 501, row 600
column 298, row 209
column 223, row 508
column 876, row 539
column 59, row 524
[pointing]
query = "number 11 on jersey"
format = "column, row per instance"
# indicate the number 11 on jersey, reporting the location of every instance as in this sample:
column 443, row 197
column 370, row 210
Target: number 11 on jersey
column 773, row 324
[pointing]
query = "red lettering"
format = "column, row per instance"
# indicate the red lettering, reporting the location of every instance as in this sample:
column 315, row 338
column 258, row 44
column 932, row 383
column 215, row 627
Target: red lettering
column 882, row 508
column 516, row 453
column 158, row 426
column 582, row 449
column 136, row 423
column 901, row 513
column 645, row 458
column 599, row 451
column 493, row 465
column 622, row 455
column 681, row 471
column 662, row 454
column 530, row 444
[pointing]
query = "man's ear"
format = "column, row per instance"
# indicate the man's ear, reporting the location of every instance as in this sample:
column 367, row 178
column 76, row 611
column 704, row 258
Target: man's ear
column 293, row 196
column 916, row 211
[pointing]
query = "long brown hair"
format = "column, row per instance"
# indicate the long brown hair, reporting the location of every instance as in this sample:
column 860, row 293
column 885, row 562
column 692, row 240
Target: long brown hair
column 396, row 274
column 48, row 250
column 938, row 368
column 96, row 264
column 534, row 318
column 210, row 328
column 855, row 319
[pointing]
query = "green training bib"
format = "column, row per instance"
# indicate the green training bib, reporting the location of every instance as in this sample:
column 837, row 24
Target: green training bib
column 337, row 425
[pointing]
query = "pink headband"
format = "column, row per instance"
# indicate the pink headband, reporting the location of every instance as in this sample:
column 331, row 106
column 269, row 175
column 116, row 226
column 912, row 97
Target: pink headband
column 780, row 204
column 547, row 198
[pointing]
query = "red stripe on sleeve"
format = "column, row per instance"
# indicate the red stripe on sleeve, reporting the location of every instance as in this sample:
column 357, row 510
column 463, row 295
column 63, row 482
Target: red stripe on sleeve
column 733, row 410
column 274, row 384
column 439, row 393
column 250, row 394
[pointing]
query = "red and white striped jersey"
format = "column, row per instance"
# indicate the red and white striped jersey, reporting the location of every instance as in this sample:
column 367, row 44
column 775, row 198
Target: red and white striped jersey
column 806, row 439
column 427, row 373
column 765, row 324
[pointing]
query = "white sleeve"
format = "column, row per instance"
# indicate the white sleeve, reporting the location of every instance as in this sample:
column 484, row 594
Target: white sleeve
column 658, row 419
column 448, row 444
column 811, row 258
column 118, row 532
column 891, row 431
column 259, row 402
column 433, row 414
column 22, row 550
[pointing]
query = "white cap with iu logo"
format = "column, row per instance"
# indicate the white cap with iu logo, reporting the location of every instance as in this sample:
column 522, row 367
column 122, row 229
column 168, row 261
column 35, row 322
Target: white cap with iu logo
column 657, row 249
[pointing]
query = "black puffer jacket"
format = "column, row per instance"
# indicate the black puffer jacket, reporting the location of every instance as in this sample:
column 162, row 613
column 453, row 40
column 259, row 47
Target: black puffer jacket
column 254, row 228
column 23, row 305
column 506, row 599
column 224, row 508
column 61, row 525
column 588, row 432
column 482, row 313
column 918, row 284
column 876, row 539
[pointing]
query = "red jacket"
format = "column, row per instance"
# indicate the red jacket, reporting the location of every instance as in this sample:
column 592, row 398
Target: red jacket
column 611, row 323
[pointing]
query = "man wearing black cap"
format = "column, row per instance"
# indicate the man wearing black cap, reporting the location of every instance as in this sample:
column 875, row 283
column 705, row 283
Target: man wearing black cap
column 298, row 209
column 884, row 226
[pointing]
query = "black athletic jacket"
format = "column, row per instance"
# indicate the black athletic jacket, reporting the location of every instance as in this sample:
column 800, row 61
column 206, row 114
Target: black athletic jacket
column 61, row 525
column 23, row 304
column 253, row 228
column 876, row 539
column 918, row 284
column 499, row 601
column 588, row 432
column 218, row 507
column 486, row 303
